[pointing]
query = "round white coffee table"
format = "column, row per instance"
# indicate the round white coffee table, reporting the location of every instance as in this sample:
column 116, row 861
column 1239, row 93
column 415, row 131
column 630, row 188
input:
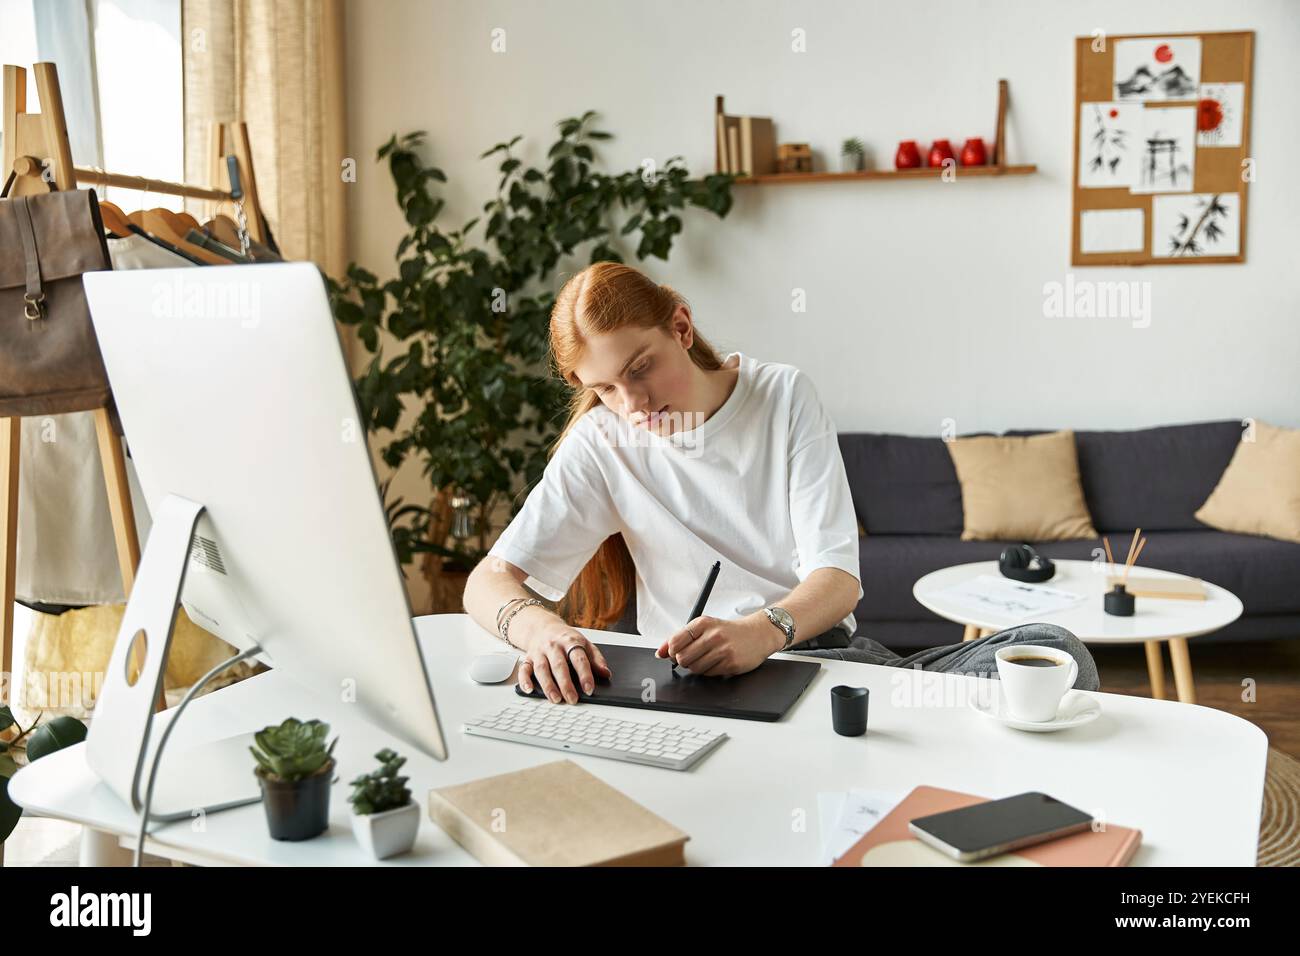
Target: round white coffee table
column 1155, row 619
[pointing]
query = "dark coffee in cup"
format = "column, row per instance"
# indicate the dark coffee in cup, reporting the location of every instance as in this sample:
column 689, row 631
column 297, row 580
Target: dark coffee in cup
column 1033, row 690
column 1033, row 661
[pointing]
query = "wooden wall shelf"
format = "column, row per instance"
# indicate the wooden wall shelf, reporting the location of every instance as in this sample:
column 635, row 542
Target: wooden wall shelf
column 926, row 172
column 997, row 167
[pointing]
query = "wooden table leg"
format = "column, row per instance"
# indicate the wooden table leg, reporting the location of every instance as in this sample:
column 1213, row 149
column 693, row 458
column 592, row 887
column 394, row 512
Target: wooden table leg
column 1182, row 669
column 1156, row 669
column 970, row 633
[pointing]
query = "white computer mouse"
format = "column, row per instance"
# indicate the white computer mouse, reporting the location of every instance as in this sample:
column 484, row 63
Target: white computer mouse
column 492, row 668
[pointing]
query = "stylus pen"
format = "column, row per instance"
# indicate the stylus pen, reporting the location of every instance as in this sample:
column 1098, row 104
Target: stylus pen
column 703, row 599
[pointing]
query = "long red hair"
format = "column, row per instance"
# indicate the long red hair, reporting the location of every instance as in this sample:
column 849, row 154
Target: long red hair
column 602, row 298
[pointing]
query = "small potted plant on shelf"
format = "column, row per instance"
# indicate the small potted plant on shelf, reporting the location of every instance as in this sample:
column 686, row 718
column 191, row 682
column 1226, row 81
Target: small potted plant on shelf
column 852, row 155
column 295, row 769
column 384, row 818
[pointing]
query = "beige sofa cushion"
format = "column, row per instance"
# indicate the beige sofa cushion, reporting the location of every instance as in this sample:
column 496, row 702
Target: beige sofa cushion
column 1022, row 489
column 1259, row 492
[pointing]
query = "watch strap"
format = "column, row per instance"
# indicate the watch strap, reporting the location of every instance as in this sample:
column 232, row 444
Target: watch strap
column 788, row 631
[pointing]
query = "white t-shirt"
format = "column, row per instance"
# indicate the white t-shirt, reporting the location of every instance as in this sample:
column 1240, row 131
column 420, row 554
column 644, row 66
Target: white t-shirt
column 759, row 486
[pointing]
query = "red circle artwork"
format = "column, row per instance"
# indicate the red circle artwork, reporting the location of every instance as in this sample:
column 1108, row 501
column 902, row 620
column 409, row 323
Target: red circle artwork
column 1209, row 114
column 1163, row 53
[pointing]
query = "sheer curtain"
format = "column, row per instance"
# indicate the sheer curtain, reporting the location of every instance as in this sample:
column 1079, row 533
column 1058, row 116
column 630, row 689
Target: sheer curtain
column 278, row 66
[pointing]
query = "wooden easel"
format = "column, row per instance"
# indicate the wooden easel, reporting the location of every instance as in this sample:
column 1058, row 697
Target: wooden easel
column 36, row 148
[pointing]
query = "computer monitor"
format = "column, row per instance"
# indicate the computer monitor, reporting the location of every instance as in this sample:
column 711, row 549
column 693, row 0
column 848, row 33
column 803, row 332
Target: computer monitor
column 234, row 394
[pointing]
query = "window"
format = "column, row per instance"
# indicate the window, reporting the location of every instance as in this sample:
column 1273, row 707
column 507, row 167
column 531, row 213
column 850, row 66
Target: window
column 138, row 86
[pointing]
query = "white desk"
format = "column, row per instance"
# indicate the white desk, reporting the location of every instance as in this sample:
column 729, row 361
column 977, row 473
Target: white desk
column 1191, row 778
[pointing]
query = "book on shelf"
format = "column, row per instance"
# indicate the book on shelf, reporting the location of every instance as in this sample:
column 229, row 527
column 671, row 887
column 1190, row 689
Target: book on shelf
column 757, row 145
column 746, row 145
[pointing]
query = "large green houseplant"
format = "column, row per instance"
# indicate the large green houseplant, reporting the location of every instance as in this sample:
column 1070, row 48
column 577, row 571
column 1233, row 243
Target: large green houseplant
column 459, row 380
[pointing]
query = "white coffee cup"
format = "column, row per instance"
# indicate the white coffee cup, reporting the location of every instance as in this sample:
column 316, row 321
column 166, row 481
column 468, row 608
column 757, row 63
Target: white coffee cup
column 1034, row 691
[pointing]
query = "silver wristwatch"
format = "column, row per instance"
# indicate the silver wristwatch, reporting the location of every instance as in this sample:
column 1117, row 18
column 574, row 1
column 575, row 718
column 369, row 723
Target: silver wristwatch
column 782, row 619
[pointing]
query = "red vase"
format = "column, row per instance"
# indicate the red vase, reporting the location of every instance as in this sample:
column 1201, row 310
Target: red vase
column 908, row 156
column 973, row 154
column 940, row 151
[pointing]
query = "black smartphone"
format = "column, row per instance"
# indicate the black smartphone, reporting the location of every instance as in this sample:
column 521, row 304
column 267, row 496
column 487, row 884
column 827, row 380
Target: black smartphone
column 997, row 826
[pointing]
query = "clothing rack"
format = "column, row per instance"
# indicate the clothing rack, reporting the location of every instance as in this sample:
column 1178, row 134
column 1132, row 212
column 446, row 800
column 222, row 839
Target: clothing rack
column 37, row 151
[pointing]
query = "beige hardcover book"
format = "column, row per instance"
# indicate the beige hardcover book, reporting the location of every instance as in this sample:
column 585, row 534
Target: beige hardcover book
column 555, row 814
column 733, row 144
column 757, row 145
column 722, row 144
column 1184, row 589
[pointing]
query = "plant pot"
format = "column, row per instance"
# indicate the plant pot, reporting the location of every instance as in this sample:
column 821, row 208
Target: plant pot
column 852, row 162
column 298, row 810
column 388, row 833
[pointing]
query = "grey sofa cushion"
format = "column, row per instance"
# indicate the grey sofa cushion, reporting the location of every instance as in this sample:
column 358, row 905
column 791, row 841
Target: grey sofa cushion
column 1152, row 478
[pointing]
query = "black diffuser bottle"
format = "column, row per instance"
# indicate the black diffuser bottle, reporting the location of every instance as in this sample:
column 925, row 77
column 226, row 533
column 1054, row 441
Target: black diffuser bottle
column 1118, row 601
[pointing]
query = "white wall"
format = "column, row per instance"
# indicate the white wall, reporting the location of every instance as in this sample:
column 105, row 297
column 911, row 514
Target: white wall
column 925, row 300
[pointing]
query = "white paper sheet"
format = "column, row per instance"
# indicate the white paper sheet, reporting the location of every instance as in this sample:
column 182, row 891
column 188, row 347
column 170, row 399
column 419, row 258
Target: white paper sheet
column 1223, row 102
column 1110, row 146
column 1160, row 68
column 990, row 595
column 1195, row 226
column 850, row 815
column 1167, row 150
column 1112, row 230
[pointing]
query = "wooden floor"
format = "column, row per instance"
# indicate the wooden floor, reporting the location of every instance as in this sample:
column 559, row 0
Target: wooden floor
column 1219, row 671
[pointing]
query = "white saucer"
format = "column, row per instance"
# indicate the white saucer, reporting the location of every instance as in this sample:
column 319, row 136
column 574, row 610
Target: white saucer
column 1076, row 710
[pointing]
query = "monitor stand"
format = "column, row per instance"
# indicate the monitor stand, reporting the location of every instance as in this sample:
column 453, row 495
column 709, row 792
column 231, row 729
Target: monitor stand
column 123, row 731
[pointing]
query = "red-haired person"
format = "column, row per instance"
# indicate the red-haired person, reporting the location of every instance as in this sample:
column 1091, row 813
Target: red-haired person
column 675, row 457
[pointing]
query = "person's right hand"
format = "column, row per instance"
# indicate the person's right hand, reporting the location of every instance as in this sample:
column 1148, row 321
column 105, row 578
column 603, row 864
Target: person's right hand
column 549, row 641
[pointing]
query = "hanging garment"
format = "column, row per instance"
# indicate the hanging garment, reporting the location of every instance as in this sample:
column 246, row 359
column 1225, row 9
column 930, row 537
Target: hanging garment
column 67, row 554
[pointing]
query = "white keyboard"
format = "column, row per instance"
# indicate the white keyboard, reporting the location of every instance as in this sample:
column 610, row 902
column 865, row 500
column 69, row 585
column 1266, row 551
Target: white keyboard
column 576, row 729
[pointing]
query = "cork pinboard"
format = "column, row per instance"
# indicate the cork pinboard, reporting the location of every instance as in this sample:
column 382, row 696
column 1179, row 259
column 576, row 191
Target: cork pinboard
column 1150, row 194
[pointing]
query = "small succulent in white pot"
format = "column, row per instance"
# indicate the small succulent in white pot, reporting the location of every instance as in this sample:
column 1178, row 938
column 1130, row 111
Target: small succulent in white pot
column 384, row 818
column 852, row 154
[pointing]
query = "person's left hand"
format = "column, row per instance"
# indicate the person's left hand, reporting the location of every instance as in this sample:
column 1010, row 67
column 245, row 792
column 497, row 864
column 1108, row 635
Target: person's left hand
column 713, row 648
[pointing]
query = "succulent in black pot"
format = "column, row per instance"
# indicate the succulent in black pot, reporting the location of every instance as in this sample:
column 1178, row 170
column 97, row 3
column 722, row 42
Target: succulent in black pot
column 296, row 770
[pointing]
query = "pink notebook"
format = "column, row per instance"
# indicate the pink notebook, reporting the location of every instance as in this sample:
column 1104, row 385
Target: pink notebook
column 891, row 843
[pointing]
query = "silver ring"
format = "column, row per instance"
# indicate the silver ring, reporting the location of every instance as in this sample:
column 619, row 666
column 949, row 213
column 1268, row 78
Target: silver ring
column 569, row 650
column 525, row 662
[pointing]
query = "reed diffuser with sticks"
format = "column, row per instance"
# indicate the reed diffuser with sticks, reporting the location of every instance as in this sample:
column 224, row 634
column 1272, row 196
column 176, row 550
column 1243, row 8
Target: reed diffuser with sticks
column 1118, row 600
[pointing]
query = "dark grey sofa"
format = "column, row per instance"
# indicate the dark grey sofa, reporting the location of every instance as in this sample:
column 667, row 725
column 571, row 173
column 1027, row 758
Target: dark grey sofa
column 907, row 497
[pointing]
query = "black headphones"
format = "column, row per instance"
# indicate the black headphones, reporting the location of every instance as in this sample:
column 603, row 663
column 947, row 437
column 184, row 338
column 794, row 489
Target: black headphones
column 1020, row 562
